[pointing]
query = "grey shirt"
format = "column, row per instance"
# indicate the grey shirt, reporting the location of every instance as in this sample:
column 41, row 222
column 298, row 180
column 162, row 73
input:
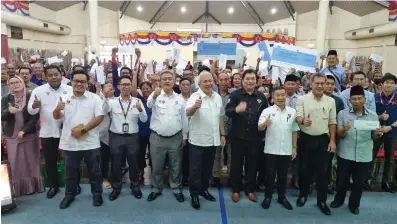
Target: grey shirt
column 227, row 120
column 357, row 144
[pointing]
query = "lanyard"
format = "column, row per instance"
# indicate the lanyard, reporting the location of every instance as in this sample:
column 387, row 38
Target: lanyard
column 122, row 108
column 390, row 101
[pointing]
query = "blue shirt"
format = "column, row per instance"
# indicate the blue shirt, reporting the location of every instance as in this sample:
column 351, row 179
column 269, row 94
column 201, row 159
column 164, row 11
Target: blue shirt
column 388, row 104
column 37, row 81
column 144, row 127
column 339, row 71
column 369, row 103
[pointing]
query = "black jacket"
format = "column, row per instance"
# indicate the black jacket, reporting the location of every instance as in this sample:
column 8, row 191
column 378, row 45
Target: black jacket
column 30, row 121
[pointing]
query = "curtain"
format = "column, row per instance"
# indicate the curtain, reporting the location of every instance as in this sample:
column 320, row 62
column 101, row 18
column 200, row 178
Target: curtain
column 4, row 47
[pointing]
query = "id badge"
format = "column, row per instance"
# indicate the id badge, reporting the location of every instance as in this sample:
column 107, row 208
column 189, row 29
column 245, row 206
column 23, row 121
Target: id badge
column 125, row 127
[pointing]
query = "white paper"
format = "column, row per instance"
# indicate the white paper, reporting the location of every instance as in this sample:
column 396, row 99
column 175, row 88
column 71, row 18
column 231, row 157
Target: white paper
column 64, row 53
column 75, row 60
column 169, row 55
column 261, row 54
column 376, row 58
column 246, row 67
column 222, row 61
column 59, row 60
column 52, row 60
column 366, row 125
column 159, row 67
column 36, row 56
column 149, row 67
column 100, row 74
column 349, row 56
column 325, row 51
column 275, row 74
column 247, row 54
column 176, row 52
column 181, row 64
column 207, row 63
column 263, row 68
column 93, row 68
column 3, row 61
column 179, row 71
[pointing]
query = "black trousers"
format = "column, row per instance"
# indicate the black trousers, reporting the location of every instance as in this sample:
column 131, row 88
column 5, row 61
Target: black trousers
column 120, row 148
column 329, row 172
column 72, row 160
column 276, row 164
column 143, row 144
column 313, row 158
column 201, row 161
column 105, row 159
column 389, row 144
column 356, row 170
column 248, row 150
column 50, row 149
column 261, row 163
column 185, row 163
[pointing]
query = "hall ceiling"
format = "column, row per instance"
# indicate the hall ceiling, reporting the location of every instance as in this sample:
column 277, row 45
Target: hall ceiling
column 219, row 9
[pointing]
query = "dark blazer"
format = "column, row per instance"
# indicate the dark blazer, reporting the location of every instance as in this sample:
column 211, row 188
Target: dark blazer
column 30, row 121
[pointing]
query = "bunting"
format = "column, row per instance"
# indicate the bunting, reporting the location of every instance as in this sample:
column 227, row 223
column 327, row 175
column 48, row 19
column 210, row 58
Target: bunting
column 393, row 11
column 19, row 7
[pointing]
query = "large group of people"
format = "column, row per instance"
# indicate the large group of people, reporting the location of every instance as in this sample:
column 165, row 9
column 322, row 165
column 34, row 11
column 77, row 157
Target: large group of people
column 201, row 125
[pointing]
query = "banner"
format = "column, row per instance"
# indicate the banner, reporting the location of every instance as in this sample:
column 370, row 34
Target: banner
column 302, row 59
column 214, row 50
column 18, row 7
column 188, row 39
column 393, row 11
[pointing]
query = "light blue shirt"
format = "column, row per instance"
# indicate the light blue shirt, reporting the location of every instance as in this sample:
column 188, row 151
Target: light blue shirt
column 369, row 103
column 339, row 71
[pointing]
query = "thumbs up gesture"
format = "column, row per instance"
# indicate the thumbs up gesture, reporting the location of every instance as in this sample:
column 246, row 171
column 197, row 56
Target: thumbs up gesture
column 384, row 116
column 36, row 103
column 12, row 109
column 347, row 126
column 242, row 107
column 138, row 106
column 61, row 104
column 268, row 121
column 307, row 121
column 157, row 92
column 198, row 102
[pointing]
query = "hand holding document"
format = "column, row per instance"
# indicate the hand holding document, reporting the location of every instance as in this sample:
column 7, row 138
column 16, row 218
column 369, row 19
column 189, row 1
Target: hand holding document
column 366, row 125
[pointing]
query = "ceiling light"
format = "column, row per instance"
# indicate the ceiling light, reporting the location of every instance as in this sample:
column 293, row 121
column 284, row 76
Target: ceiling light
column 139, row 8
column 230, row 10
column 183, row 9
column 273, row 11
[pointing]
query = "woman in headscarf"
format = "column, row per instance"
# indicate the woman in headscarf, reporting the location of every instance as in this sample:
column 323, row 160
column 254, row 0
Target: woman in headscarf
column 22, row 139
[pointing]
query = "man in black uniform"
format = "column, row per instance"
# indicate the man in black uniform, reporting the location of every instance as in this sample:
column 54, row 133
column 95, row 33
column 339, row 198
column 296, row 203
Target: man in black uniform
column 244, row 108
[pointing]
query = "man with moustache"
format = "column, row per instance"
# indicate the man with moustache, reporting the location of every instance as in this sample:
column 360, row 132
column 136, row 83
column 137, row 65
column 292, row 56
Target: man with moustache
column 169, row 132
column 206, row 133
column 43, row 100
column 334, row 69
column 24, row 73
column 244, row 108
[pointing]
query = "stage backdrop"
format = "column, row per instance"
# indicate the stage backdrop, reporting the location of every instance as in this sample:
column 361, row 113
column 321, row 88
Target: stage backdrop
column 188, row 39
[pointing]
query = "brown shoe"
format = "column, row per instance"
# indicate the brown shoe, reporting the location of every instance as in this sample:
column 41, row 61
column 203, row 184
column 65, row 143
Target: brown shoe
column 236, row 197
column 252, row 197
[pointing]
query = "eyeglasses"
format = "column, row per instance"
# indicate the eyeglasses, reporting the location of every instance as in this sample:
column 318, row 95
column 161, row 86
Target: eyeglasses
column 80, row 82
column 125, row 84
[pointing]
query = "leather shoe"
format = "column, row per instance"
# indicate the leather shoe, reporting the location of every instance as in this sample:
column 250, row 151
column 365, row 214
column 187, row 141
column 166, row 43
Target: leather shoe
column 207, row 196
column 52, row 192
column 355, row 211
column 301, row 201
column 195, row 202
column 114, row 195
column 78, row 191
column 387, row 187
column 324, row 208
column 266, row 203
column 336, row 204
column 285, row 203
column 179, row 197
column 251, row 197
column 152, row 196
column 65, row 203
column 236, row 197
column 137, row 193
column 97, row 200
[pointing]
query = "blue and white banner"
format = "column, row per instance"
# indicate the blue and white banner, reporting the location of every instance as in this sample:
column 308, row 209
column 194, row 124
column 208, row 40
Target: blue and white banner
column 212, row 49
column 267, row 50
column 286, row 56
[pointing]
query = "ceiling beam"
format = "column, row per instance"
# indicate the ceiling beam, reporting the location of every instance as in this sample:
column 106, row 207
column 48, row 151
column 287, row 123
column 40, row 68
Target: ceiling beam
column 85, row 5
column 253, row 14
column 124, row 8
column 290, row 9
column 160, row 12
column 207, row 15
column 331, row 4
column 382, row 3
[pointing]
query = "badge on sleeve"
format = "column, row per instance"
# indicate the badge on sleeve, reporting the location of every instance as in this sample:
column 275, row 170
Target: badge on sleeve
column 259, row 101
column 228, row 100
column 64, row 92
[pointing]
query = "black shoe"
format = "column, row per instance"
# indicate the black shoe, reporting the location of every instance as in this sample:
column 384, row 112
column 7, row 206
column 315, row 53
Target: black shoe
column 179, row 197
column 266, row 203
column 97, row 200
column 195, row 203
column 185, row 183
column 285, row 203
column 324, row 208
column 330, row 189
column 52, row 192
column 367, row 184
column 387, row 187
column 261, row 185
column 336, row 204
column 207, row 196
column 355, row 211
column 66, row 202
column 301, row 201
column 152, row 196
column 136, row 191
column 114, row 195
column 78, row 191
column 217, row 182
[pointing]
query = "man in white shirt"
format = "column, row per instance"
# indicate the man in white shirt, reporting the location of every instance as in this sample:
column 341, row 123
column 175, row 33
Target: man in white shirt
column 169, row 129
column 206, row 133
column 281, row 140
column 43, row 100
column 80, row 112
column 125, row 111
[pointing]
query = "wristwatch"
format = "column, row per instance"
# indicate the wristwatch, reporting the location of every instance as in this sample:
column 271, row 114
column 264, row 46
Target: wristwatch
column 83, row 131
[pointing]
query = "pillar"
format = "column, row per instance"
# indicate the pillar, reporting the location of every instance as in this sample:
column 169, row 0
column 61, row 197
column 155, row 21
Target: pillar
column 321, row 25
column 93, row 15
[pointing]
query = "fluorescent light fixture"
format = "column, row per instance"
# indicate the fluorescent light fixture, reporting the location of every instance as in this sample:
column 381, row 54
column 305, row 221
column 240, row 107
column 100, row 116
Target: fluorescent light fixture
column 273, row 11
column 139, row 8
column 189, row 30
column 183, row 9
column 230, row 10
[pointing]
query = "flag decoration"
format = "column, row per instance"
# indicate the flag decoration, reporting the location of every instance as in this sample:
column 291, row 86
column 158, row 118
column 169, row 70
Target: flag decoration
column 187, row 39
column 19, row 7
column 393, row 11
